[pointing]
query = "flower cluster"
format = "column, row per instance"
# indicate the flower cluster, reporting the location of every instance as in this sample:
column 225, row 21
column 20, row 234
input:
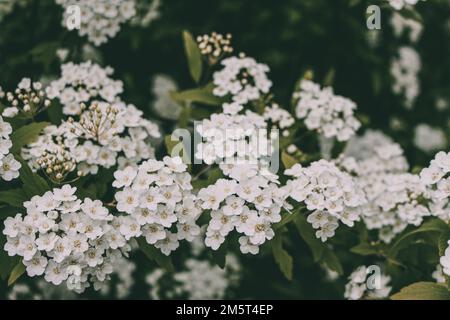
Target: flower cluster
column 232, row 137
column 437, row 179
column 360, row 286
column 248, row 203
column 84, row 83
column 65, row 238
column 404, row 70
column 400, row 4
column 242, row 78
column 330, row 193
column 395, row 198
column 100, row 19
column 27, row 99
column 214, row 46
column 401, row 24
column 325, row 112
column 102, row 136
column 9, row 167
column 163, row 104
column 429, row 139
column 156, row 197
column 279, row 117
column 445, row 260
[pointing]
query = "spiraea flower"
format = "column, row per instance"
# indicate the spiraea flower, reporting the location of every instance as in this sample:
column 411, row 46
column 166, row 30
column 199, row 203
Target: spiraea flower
column 405, row 69
column 279, row 118
column 65, row 239
column 437, row 179
column 395, row 198
column 102, row 135
column 242, row 78
column 400, row 4
column 401, row 24
column 28, row 99
column 100, row 20
column 85, row 83
column 234, row 137
column 445, row 260
column 363, row 284
column 325, row 112
column 331, row 194
column 9, row 167
column 163, row 104
column 214, row 46
column 158, row 203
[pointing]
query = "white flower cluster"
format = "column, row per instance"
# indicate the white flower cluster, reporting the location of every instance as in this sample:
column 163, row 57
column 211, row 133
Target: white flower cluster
column 429, row 139
column 405, row 69
column 247, row 203
column 331, row 194
column 163, row 104
column 358, row 285
column 66, row 239
column 243, row 78
column 400, row 4
column 41, row 290
column 156, row 196
column 401, row 24
column 232, row 138
column 9, row 167
column 84, row 83
column 28, row 99
column 395, row 197
column 445, row 260
column 200, row 280
column 279, row 117
column 103, row 136
column 325, row 112
column 100, row 19
column 437, row 179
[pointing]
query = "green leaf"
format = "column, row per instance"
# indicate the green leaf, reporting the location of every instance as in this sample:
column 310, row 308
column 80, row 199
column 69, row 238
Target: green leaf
column 423, row 291
column 33, row 184
column 365, row 249
column 155, row 255
column 13, row 197
column 193, row 56
column 411, row 13
column 282, row 257
column 329, row 78
column 320, row 250
column 287, row 218
column 18, row 270
column 203, row 95
column 435, row 225
column 25, row 135
column 443, row 242
column 288, row 160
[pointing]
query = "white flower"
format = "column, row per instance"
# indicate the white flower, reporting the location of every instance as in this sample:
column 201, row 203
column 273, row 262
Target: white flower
column 68, row 239
column 9, row 168
column 243, row 78
column 325, row 112
column 123, row 178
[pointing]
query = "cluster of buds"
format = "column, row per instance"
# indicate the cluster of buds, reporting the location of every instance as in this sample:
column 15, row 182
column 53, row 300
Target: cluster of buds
column 57, row 162
column 215, row 46
column 28, row 99
column 97, row 122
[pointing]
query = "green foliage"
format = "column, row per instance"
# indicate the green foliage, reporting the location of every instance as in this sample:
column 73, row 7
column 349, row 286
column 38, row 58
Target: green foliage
column 202, row 95
column 25, row 135
column 33, row 184
column 423, row 291
column 321, row 252
column 155, row 255
column 16, row 273
column 282, row 257
column 13, row 197
column 193, row 56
